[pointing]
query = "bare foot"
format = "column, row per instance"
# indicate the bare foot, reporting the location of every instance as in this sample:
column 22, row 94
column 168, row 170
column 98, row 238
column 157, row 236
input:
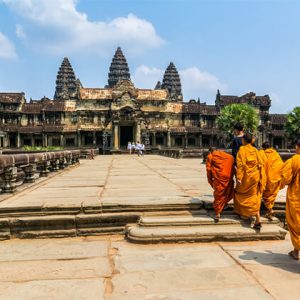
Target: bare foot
column 294, row 255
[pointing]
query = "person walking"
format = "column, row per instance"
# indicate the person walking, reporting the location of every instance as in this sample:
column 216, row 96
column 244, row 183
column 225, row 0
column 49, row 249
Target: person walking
column 250, row 181
column 273, row 165
column 220, row 171
column 129, row 147
column 238, row 132
column 290, row 176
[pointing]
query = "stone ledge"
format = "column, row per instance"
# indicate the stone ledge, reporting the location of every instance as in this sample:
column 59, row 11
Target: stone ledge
column 208, row 233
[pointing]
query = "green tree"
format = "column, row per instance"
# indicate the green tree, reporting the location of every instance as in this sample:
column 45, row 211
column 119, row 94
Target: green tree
column 292, row 125
column 234, row 113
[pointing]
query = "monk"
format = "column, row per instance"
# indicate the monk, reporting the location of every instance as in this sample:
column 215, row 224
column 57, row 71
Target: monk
column 251, row 181
column 273, row 165
column 290, row 176
column 220, row 170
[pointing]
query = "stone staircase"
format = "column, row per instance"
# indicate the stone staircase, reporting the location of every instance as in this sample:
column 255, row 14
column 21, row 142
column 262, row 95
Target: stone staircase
column 200, row 228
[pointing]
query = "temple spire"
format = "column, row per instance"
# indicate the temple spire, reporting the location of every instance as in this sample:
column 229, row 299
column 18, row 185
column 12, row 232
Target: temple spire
column 66, row 84
column 118, row 69
column 171, row 82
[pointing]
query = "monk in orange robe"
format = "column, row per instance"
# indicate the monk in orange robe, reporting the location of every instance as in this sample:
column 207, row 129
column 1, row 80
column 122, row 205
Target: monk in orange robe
column 273, row 165
column 251, row 181
column 290, row 176
column 220, row 170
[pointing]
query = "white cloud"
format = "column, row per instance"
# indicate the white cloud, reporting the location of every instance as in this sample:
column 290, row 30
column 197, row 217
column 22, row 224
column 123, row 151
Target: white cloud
column 275, row 98
column 62, row 29
column 7, row 49
column 194, row 82
column 147, row 77
column 20, row 31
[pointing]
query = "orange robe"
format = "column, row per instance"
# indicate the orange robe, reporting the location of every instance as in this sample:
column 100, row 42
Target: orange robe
column 291, row 176
column 250, row 172
column 273, row 165
column 220, row 169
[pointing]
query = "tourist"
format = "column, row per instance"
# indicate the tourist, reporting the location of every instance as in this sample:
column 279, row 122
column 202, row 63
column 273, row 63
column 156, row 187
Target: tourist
column 129, row 146
column 143, row 149
column 250, row 181
column 220, row 170
column 237, row 140
column 291, row 176
column 133, row 147
column 273, row 165
column 138, row 147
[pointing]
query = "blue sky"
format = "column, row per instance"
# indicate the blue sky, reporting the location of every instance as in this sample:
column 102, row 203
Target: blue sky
column 234, row 46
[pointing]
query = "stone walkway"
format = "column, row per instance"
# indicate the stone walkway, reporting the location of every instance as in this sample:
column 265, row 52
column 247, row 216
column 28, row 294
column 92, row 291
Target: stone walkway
column 119, row 180
column 98, row 268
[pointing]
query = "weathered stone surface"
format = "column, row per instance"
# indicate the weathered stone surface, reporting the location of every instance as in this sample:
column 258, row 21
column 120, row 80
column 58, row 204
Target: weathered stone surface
column 206, row 233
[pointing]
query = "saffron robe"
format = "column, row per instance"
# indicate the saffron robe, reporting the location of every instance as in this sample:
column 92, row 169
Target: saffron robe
column 220, row 170
column 250, row 172
column 291, row 176
column 273, row 165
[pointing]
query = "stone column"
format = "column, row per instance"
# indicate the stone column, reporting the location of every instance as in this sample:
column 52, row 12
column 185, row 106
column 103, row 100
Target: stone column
column 116, row 135
column 138, row 132
column 169, row 139
column 153, row 139
column 61, row 136
column 32, row 140
column 94, row 139
column 18, row 140
column 200, row 140
column 45, row 140
column 78, row 139
column 185, row 141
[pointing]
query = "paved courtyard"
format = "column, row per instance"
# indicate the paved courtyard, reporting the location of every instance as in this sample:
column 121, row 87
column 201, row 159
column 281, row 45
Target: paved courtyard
column 111, row 268
column 120, row 179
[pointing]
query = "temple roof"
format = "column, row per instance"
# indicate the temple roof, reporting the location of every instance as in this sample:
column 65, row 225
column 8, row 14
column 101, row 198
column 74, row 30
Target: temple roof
column 66, row 83
column 171, row 82
column 249, row 98
column 107, row 94
column 118, row 69
column 278, row 118
column 12, row 98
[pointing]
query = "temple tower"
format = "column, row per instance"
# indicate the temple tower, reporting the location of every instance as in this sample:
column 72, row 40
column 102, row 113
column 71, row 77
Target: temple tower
column 66, row 84
column 171, row 82
column 118, row 69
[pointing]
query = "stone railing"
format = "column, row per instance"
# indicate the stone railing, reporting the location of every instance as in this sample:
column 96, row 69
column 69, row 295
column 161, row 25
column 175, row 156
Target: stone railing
column 17, row 169
column 174, row 153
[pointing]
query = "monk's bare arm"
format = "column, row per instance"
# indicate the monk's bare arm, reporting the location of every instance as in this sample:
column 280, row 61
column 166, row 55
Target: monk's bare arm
column 209, row 170
column 286, row 173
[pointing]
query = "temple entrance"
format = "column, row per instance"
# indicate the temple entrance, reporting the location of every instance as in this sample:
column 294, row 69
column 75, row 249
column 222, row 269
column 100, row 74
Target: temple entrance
column 126, row 135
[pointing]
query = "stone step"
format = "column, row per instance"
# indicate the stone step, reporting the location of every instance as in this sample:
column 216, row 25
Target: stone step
column 208, row 233
column 195, row 220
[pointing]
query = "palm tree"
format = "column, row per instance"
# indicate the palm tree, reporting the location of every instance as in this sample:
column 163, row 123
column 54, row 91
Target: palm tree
column 292, row 125
column 238, row 113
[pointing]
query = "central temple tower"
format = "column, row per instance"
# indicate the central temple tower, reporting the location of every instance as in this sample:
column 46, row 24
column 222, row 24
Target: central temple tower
column 118, row 69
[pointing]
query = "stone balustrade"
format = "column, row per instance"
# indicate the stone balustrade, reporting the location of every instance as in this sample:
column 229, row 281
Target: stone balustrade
column 16, row 169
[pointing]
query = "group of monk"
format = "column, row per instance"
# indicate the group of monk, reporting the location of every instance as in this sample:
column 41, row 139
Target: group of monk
column 250, row 176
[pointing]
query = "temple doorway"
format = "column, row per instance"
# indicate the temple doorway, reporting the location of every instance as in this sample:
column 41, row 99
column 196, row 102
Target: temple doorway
column 126, row 135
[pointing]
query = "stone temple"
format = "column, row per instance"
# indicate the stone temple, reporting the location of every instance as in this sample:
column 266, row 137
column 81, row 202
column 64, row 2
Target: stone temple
column 111, row 116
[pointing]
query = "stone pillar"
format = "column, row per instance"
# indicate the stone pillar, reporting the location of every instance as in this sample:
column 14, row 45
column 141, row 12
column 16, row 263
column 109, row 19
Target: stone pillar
column 32, row 140
column 138, row 132
column 185, row 141
column 94, row 139
column 61, row 140
column 153, row 139
column 116, row 135
column 45, row 140
column 200, row 140
column 78, row 139
column 169, row 139
column 18, row 140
